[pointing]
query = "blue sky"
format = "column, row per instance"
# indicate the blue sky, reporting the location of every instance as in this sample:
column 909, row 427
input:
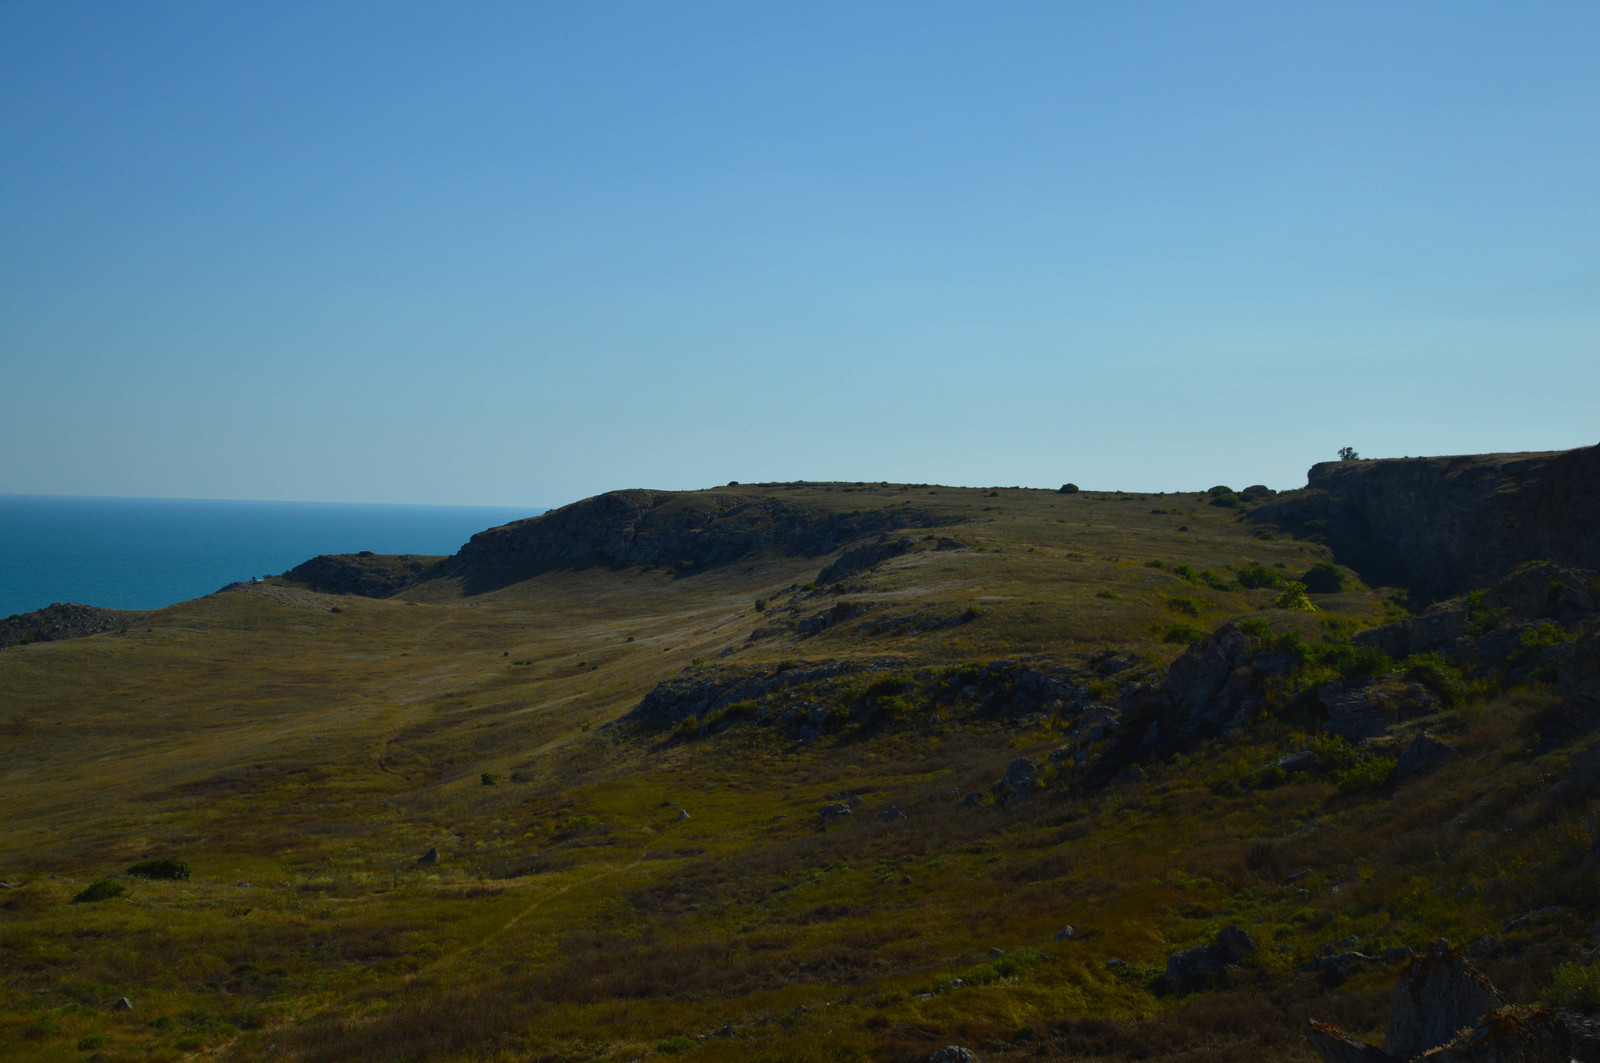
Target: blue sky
column 522, row 253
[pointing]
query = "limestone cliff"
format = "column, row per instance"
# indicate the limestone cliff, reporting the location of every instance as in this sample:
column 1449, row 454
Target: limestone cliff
column 1451, row 524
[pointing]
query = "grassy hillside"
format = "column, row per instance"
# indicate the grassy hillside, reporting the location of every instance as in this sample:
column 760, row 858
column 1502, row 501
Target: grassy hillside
column 612, row 884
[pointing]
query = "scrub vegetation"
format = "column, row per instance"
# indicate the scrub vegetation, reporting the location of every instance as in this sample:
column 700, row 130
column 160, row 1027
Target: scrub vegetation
column 439, row 825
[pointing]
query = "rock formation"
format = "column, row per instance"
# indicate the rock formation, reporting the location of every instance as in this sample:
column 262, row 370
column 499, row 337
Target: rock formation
column 1447, row 525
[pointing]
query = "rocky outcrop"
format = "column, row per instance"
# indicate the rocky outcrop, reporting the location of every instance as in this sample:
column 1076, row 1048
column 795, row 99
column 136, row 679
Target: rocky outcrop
column 683, row 530
column 366, row 574
column 1200, row 967
column 1446, row 525
column 1444, row 1010
column 62, row 621
column 864, row 557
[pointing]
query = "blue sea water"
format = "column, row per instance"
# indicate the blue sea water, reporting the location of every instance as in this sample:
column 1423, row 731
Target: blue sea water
column 144, row 553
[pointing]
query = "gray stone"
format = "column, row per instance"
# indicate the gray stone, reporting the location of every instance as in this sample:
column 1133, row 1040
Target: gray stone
column 1237, row 944
column 972, row 800
column 123, row 1004
column 1355, row 712
column 953, row 1054
column 1511, row 1034
column 1438, row 993
column 683, row 814
column 996, row 953
column 1294, row 763
column 834, row 811
column 1020, row 780
column 429, row 858
column 1334, row 1045
column 890, row 814
column 1066, row 933
column 1423, row 755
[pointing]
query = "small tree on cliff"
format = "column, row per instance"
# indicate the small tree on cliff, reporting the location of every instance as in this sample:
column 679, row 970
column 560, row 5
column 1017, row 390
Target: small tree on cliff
column 1348, row 454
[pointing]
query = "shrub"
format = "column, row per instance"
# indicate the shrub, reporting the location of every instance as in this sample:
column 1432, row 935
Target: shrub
column 1256, row 628
column 166, row 867
column 1226, row 501
column 1368, row 773
column 783, row 666
column 1069, row 489
column 1481, row 617
column 101, row 889
column 676, row 1044
column 489, row 778
column 1294, row 597
column 1348, row 454
column 1185, row 606
column 1436, row 672
column 1324, row 578
column 891, row 708
column 1357, row 662
column 1291, row 643
column 1256, row 576
column 1220, row 489
column 1270, row 776
column 761, row 605
column 1182, row 634
column 1106, row 594
column 1575, row 986
column 886, row 685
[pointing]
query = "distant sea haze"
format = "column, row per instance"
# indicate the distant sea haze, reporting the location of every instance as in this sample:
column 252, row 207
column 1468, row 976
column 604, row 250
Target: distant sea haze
column 145, row 553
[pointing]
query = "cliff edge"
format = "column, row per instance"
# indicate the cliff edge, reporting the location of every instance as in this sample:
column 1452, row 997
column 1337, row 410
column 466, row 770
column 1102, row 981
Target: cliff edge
column 1447, row 525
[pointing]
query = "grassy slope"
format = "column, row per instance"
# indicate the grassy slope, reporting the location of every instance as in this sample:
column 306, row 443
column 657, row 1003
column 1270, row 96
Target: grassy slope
column 301, row 759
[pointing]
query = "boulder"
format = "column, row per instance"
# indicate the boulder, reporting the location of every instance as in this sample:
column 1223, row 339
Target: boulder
column 1580, row 679
column 1423, row 755
column 953, row 1054
column 890, row 814
column 1438, row 994
column 1356, row 711
column 834, row 811
column 1515, row 1033
column 1236, row 944
column 1020, row 781
column 1333, row 1045
column 429, row 858
column 1294, row 763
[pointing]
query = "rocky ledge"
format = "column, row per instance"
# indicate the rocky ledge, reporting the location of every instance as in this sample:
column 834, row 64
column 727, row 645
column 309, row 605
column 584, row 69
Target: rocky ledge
column 62, row 621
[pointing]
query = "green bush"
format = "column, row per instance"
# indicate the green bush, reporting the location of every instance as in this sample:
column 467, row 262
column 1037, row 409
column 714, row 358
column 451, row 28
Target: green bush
column 783, row 666
column 1185, row 606
column 676, row 1044
column 1291, row 643
column 1226, row 501
column 101, row 889
column 1256, row 628
column 1269, row 776
column 1481, row 617
column 1294, row 597
column 1436, row 672
column 1352, row 768
column 489, row 778
column 1182, row 634
column 1257, row 576
column 166, row 867
column 889, row 684
column 891, row 708
column 1069, row 489
column 1575, row 986
column 1357, row 662
column 1324, row 578
column 1368, row 773
column 761, row 605
column 1106, row 594
column 1220, row 489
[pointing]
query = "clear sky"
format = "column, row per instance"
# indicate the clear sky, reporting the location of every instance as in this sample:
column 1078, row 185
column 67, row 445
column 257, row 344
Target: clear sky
column 522, row 253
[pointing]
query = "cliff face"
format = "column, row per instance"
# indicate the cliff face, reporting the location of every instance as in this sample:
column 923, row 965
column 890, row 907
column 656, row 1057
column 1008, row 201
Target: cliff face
column 686, row 531
column 1448, row 525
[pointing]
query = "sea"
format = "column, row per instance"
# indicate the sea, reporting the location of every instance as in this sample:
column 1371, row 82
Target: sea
column 145, row 553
